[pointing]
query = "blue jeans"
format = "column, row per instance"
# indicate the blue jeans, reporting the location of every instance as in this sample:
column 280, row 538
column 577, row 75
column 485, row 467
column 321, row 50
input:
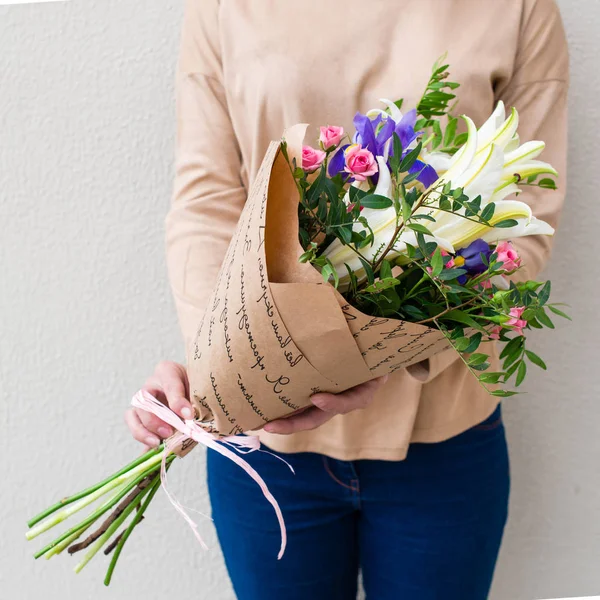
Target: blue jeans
column 425, row 528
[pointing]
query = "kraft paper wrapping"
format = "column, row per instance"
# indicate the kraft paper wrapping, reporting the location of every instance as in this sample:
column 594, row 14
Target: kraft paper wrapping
column 274, row 333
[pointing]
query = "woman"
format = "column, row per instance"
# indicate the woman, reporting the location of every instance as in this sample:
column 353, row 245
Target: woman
column 406, row 479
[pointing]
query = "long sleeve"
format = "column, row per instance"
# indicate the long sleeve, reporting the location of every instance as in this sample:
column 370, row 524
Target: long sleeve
column 538, row 90
column 208, row 193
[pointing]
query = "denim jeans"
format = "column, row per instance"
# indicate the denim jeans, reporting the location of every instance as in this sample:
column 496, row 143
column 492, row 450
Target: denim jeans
column 424, row 528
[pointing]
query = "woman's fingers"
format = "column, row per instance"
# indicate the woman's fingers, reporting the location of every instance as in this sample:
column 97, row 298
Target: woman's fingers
column 354, row 398
column 310, row 418
column 170, row 385
column 138, row 431
column 154, row 424
column 326, row 406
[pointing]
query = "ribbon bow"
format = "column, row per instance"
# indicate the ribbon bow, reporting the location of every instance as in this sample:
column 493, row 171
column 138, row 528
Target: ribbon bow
column 190, row 429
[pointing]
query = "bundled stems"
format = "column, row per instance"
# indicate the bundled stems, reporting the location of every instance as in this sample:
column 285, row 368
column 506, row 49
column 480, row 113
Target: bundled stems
column 120, row 541
column 130, row 488
column 61, row 503
column 142, row 485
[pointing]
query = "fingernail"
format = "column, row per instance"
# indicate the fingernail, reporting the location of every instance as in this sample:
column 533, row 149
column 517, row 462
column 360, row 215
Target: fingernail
column 187, row 412
column 318, row 401
column 270, row 427
column 384, row 379
column 164, row 432
column 152, row 441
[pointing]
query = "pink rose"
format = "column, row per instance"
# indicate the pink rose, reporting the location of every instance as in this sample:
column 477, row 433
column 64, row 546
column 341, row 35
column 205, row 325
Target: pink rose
column 331, row 136
column 359, row 162
column 508, row 256
column 312, row 158
column 495, row 332
column 515, row 321
column 450, row 263
column 351, row 208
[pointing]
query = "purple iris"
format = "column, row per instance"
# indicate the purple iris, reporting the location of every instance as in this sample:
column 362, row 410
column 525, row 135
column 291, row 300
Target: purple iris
column 375, row 141
column 470, row 258
column 406, row 128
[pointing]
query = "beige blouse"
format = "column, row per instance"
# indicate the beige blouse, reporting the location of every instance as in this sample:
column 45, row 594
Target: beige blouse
column 247, row 69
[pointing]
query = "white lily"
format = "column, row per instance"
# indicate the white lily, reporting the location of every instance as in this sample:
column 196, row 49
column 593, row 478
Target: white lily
column 489, row 164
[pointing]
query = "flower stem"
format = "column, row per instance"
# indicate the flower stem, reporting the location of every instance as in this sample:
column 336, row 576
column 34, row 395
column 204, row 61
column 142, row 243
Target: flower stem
column 131, row 497
column 113, row 527
column 58, row 548
column 90, row 519
column 125, row 477
column 123, row 538
column 90, row 490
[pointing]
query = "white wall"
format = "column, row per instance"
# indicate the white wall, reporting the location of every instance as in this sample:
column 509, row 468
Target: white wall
column 86, row 141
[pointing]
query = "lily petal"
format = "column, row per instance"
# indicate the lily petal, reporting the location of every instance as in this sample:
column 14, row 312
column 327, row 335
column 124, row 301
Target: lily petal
column 495, row 120
column 503, row 135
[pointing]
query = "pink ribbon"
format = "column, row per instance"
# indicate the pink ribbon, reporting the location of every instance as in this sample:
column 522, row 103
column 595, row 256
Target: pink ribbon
column 191, row 429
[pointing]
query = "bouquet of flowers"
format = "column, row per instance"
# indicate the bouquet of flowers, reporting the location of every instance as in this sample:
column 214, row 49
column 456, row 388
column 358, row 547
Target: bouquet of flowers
column 360, row 257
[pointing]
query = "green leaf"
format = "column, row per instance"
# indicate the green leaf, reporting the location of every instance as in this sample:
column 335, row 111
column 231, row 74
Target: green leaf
column 409, row 160
column 381, row 285
column 481, row 367
column 419, row 228
column 515, row 343
column 503, row 393
column 450, row 131
column 385, row 270
column 411, row 177
column 304, row 237
column 510, row 372
column 462, row 317
column 544, row 293
column 414, row 312
column 423, row 217
column 461, row 344
column 437, row 262
column 328, row 271
column 544, row 319
column 477, row 359
column 474, row 343
column 521, row 372
column 437, row 130
column 444, row 203
column 547, row 183
column 488, row 212
column 397, row 146
column 345, row 234
column 535, row 359
column 448, row 274
column 368, row 270
column 559, row 312
column 460, row 139
column 406, row 210
column 375, row 201
column 490, row 377
column 506, row 223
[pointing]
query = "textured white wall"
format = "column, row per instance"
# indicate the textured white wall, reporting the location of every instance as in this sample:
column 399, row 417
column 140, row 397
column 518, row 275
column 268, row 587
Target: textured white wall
column 86, row 141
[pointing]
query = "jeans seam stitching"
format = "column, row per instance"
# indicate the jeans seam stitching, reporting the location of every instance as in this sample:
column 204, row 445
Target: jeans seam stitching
column 334, row 477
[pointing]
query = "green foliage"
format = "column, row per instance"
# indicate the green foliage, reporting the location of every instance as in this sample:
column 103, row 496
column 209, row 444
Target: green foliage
column 438, row 94
column 425, row 290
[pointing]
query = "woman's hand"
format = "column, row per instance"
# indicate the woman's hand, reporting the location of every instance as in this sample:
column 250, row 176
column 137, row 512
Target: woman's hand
column 327, row 406
column 169, row 384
